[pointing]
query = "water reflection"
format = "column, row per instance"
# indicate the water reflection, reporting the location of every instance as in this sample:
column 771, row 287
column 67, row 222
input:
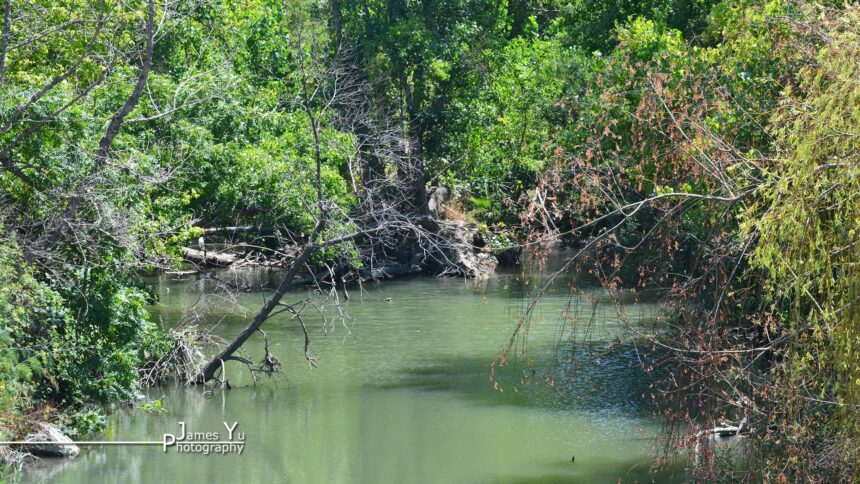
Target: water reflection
column 405, row 395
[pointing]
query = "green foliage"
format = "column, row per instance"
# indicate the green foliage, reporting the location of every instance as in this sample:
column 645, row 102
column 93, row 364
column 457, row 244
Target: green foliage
column 535, row 112
column 590, row 24
column 808, row 224
column 22, row 300
column 70, row 350
column 16, row 374
column 500, row 124
column 154, row 407
column 760, row 110
column 248, row 145
column 84, row 423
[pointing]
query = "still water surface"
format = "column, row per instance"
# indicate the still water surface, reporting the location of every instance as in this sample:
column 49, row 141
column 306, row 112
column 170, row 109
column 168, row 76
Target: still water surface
column 402, row 394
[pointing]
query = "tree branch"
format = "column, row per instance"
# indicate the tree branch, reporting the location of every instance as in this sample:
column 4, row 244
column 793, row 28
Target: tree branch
column 52, row 235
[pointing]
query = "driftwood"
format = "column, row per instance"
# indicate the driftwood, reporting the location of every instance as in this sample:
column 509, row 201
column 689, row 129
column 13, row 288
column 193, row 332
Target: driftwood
column 725, row 432
column 181, row 273
column 208, row 258
column 237, row 229
column 719, row 435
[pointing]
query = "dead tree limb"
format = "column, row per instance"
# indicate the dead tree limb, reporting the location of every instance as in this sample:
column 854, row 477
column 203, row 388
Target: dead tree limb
column 298, row 315
column 209, row 370
column 242, row 228
column 385, row 219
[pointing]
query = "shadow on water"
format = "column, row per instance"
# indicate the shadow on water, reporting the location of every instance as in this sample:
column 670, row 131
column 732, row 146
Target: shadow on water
column 598, row 379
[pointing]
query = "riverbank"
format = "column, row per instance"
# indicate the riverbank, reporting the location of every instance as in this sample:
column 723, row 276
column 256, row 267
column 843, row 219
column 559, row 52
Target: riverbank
column 459, row 249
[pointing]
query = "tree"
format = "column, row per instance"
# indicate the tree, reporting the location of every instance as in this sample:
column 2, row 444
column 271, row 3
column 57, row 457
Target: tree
column 323, row 85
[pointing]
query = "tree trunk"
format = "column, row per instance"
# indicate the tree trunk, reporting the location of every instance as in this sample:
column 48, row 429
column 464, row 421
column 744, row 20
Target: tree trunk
column 418, row 176
column 415, row 155
column 4, row 40
column 338, row 28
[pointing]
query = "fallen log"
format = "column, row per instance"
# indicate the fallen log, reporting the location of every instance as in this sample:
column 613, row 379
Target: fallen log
column 242, row 228
column 205, row 257
column 725, row 432
column 181, row 273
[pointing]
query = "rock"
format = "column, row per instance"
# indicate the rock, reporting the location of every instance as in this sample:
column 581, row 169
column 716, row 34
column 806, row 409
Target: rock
column 48, row 441
column 436, row 197
column 463, row 257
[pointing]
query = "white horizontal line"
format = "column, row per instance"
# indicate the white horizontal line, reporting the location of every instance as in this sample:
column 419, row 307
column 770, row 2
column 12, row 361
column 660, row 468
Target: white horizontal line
column 87, row 442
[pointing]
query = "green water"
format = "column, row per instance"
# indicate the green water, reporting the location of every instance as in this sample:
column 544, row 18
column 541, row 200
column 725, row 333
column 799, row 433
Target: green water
column 402, row 393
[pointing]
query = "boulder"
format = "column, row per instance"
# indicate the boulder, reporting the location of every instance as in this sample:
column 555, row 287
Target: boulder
column 48, row 441
column 465, row 256
column 436, row 197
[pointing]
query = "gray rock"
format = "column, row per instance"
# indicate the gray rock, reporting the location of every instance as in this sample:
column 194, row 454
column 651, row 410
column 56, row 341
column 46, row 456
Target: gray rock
column 48, row 441
column 437, row 197
column 464, row 257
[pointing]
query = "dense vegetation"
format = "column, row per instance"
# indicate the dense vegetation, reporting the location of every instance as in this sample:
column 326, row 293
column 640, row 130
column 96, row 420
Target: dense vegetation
column 709, row 148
